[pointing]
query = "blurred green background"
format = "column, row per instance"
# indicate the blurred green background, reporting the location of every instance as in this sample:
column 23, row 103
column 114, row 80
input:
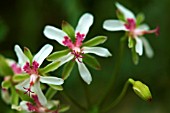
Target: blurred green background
column 22, row 22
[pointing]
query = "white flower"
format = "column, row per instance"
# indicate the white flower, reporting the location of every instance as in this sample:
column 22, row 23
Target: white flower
column 135, row 31
column 76, row 48
column 32, row 84
column 37, row 107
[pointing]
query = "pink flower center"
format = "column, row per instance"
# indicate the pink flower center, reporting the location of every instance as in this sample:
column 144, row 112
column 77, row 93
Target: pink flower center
column 38, row 107
column 32, row 70
column 31, row 107
column 133, row 31
column 131, row 24
column 75, row 47
column 16, row 69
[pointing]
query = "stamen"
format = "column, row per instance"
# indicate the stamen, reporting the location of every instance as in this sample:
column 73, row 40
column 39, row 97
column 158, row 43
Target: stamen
column 67, row 42
column 28, row 90
column 77, row 55
column 156, row 31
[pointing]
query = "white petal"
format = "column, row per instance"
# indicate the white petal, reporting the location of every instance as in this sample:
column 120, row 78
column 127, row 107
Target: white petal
column 43, row 53
column 38, row 91
column 148, row 49
column 23, row 105
column 143, row 27
column 84, row 72
column 22, row 58
column 84, row 23
column 65, row 58
column 114, row 25
column 54, row 34
column 51, row 80
column 23, row 84
column 100, row 51
column 126, row 12
column 139, row 46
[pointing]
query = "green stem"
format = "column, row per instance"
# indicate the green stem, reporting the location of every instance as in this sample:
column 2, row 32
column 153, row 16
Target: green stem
column 50, row 93
column 119, row 98
column 71, row 100
column 115, row 72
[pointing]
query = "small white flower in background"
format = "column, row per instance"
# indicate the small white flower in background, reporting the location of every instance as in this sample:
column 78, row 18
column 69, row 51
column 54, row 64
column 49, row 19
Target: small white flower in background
column 77, row 51
column 129, row 24
column 32, row 84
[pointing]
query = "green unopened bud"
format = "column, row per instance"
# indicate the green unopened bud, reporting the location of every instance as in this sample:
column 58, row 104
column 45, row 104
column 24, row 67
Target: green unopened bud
column 142, row 90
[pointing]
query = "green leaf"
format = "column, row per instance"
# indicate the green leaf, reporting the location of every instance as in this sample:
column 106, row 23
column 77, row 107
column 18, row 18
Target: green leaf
column 5, row 69
column 6, row 84
column 50, row 93
column 14, row 96
column 131, row 42
column 67, row 28
column 23, row 96
column 140, row 18
column 20, row 77
column 91, row 61
column 120, row 15
column 95, row 41
column 57, row 55
column 67, row 69
column 135, row 56
column 56, row 87
column 28, row 53
column 50, row 67
column 64, row 108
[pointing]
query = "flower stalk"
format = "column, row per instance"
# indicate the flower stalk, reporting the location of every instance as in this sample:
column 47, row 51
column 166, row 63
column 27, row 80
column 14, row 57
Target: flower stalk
column 115, row 72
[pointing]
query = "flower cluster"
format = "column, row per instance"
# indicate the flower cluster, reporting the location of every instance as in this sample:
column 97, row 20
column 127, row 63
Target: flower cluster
column 23, row 78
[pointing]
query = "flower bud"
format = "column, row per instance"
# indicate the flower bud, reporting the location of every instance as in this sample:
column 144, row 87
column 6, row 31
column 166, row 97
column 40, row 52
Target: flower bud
column 142, row 91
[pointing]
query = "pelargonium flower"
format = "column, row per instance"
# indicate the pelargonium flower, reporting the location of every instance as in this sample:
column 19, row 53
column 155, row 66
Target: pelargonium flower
column 31, row 66
column 38, row 107
column 73, row 40
column 8, row 69
column 135, row 31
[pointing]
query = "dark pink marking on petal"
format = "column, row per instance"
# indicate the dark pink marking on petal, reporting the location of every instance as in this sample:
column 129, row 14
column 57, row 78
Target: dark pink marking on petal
column 31, row 69
column 27, row 68
column 31, row 107
column 131, row 24
column 35, row 66
column 79, row 39
column 36, row 100
column 67, row 42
